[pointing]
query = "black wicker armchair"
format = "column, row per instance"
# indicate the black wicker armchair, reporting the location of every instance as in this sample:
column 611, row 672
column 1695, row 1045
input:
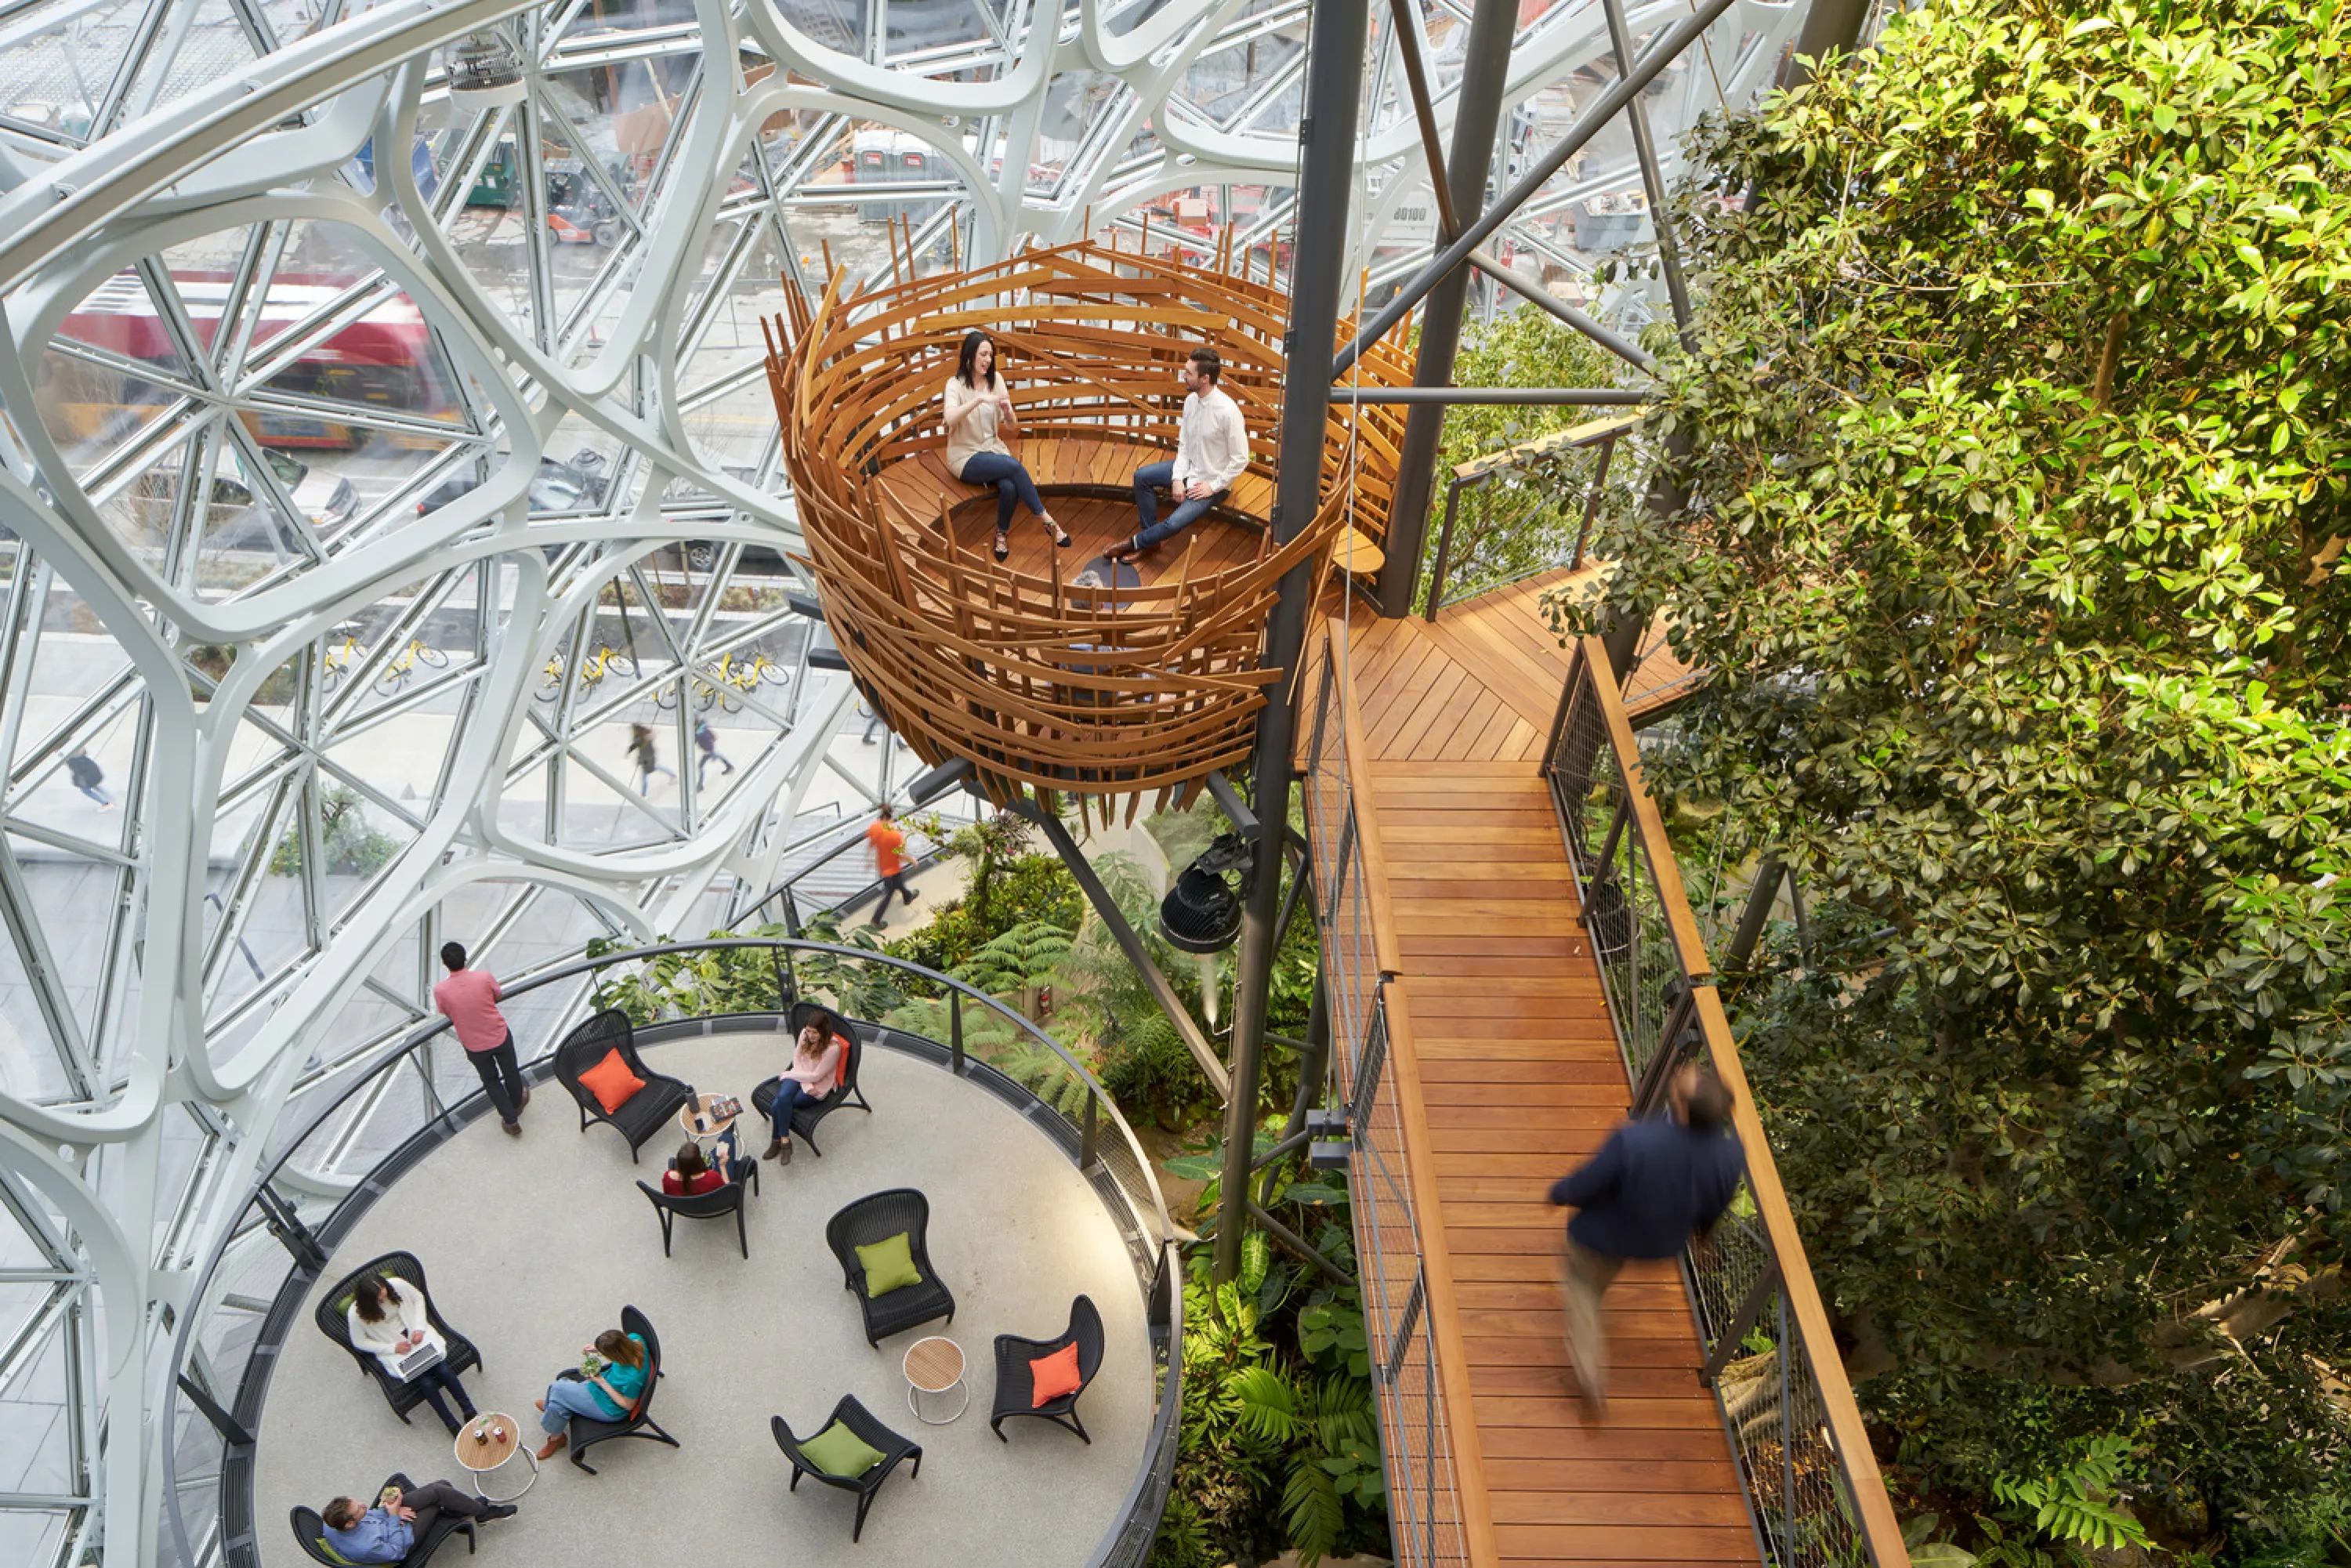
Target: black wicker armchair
column 334, row 1320
column 717, row 1204
column 1014, row 1385
column 806, row 1117
column 638, row 1423
column 642, row 1114
column 877, row 1217
column 860, row 1420
column 311, row 1531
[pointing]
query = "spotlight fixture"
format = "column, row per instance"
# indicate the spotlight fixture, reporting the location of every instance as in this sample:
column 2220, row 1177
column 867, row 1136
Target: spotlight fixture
column 484, row 71
column 1202, row 913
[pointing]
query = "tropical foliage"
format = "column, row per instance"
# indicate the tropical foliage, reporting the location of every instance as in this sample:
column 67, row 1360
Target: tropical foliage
column 2017, row 481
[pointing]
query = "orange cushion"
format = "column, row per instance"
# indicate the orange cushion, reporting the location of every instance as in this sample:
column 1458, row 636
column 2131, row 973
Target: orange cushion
column 611, row 1082
column 1054, row 1375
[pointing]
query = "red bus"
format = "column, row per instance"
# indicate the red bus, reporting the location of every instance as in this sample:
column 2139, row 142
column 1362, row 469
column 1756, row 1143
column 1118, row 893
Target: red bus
column 385, row 358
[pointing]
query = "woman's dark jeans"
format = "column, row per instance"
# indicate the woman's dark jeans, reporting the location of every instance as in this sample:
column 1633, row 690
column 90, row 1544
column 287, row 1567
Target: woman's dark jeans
column 1011, row 481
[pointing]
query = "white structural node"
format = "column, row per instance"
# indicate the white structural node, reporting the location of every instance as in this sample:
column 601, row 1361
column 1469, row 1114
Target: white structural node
column 384, row 436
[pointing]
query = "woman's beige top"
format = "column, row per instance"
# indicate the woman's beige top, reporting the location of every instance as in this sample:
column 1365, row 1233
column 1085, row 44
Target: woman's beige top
column 976, row 434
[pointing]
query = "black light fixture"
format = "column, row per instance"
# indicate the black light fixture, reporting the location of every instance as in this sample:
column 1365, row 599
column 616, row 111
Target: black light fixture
column 1202, row 913
column 485, row 70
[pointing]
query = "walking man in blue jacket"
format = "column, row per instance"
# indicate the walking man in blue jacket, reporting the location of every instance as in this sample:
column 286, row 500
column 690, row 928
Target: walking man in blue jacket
column 1655, row 1186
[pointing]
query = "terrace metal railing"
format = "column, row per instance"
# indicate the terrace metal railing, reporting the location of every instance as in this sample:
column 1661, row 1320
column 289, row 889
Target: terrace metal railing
column 1813, row 1485
column 1530, row 490
column 360, row 1132
column 1421, row 1403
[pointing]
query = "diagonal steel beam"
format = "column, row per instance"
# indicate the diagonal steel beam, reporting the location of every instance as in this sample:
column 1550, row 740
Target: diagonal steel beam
column 1661, row 53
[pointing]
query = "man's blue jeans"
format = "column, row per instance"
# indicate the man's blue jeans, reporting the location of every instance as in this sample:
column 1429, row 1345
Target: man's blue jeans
column 1150, row 530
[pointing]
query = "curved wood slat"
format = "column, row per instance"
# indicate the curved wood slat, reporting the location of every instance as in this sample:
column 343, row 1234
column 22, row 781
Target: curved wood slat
column 1039, row 684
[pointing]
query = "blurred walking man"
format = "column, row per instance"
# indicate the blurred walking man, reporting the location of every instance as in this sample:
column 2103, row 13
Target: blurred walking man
column 1653, row 1188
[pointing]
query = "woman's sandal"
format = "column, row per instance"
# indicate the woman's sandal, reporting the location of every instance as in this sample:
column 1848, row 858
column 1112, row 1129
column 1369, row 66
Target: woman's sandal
column 1061, row 539
column 1003, row 544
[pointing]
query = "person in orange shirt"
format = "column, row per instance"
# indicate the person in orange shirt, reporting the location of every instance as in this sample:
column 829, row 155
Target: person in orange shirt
column 888, row 841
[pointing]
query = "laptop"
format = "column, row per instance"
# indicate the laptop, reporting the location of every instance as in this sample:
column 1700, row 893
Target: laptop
column 425, row 1356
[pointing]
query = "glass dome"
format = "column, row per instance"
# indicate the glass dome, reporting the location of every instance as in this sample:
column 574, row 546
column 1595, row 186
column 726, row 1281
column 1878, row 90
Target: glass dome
column 383, row 435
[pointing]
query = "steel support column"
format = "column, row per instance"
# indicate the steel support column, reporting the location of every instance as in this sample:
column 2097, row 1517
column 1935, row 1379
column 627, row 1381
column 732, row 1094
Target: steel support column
column 1828, row 25
column 1476, row 112
column 1662, row 51
column 1326, row 171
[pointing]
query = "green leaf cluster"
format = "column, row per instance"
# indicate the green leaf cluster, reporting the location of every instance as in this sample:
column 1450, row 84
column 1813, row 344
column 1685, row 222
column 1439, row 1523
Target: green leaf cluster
column 2016, row 484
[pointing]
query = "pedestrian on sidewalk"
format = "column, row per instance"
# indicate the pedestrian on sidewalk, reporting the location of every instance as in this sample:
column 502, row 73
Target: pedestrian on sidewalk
column 705, row 740
column 888, row 841
column 647, row 757
column 1655, row 1186
column 468, row 998
column 90, row 778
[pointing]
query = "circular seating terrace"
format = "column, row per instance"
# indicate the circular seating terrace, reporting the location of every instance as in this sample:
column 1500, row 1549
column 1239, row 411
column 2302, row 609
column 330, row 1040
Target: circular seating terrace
column 1038, row 677
column 532, row 1246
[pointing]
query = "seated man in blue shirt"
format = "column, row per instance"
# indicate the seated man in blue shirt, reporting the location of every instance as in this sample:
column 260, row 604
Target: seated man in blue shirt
column 1653, row 1188
column 390, row 1531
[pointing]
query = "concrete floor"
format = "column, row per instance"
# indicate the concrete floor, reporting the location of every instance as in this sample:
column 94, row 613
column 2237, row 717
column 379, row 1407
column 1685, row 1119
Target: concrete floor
column 532, row 1246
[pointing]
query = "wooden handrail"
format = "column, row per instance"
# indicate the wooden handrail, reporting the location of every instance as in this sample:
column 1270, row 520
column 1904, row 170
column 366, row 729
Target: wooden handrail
column 1879, row 1528
column 1367, row 819
column 1880, row 1532
column 1443, row 1309
column 1649, row 827
column 1442, row 1316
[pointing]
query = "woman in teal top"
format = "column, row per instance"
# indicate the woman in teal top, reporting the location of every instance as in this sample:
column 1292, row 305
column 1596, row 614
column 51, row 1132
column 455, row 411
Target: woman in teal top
column 607, row 1394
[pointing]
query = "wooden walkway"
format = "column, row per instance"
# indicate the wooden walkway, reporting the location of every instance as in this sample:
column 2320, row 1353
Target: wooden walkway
column 1521, row 1080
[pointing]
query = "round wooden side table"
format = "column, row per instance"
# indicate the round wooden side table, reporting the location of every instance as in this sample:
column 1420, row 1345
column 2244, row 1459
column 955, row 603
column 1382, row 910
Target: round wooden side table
column 486, row 1442
column 934, row 1366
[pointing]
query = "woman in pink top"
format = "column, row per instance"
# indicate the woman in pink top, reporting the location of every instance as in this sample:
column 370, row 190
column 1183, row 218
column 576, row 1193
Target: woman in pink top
column 814, row 1074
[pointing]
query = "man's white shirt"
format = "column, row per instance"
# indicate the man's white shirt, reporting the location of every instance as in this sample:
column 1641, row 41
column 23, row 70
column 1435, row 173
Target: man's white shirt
column 1211, row 442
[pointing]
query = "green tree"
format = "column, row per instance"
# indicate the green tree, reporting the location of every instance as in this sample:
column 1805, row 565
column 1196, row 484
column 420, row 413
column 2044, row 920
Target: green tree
column 2018, row 477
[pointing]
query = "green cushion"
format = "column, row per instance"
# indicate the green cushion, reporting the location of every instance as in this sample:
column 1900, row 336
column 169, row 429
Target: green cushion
column 837, row 1451
column 332, row 1556
column 889, row 1265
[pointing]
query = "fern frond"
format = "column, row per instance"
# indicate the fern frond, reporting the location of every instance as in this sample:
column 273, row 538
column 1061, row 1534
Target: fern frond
column 1311, row 1510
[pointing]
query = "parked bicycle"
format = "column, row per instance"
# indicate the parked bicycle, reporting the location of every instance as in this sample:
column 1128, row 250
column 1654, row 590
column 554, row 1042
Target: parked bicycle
column 747, row 675
column 403, row 665
column 605, row 661
column 707, row 693
column 341, row 659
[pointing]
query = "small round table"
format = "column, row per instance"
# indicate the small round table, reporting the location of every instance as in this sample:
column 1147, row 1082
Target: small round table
column 489, row 1441
column 696, row 1121
column 934, row 1366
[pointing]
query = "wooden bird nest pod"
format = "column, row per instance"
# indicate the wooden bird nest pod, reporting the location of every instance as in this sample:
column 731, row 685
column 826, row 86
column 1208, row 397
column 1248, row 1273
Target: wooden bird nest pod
column 1041, row 684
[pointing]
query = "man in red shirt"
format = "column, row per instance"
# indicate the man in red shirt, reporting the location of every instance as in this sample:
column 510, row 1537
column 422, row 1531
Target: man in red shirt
column 469, row 1000
column 888, row 840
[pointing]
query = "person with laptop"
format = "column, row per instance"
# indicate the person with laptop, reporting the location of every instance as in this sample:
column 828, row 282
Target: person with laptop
column 387, row 1317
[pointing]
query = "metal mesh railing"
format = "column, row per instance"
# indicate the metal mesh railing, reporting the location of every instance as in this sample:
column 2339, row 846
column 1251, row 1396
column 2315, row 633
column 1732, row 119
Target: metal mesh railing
column 1415, row 1435
column 1525, row 510
column 357, row 1134
column 1811, row 1484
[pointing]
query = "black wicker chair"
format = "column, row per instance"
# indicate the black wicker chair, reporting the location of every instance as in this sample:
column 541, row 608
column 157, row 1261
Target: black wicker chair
column 806, row 1117
column 877, row 1217
column 311, row 1531
column 1016, row 1385
column 642, row 1114
column 860, row 1420
column 715, row 1205
column 334, row 1323
column 586, row 1433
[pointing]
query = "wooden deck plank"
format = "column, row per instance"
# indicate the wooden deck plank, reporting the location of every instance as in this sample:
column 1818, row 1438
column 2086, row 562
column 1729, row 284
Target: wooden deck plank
column 1520, row 1078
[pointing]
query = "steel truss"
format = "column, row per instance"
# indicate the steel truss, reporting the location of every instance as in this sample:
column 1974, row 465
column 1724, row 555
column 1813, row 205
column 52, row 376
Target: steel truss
column 372, row 458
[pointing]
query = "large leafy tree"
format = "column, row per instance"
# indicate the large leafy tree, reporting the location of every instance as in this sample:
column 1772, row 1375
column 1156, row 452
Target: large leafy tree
column 2017, row 487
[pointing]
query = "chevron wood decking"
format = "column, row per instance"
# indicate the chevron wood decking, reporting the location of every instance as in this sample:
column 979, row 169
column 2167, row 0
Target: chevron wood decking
column 1521, row 1079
